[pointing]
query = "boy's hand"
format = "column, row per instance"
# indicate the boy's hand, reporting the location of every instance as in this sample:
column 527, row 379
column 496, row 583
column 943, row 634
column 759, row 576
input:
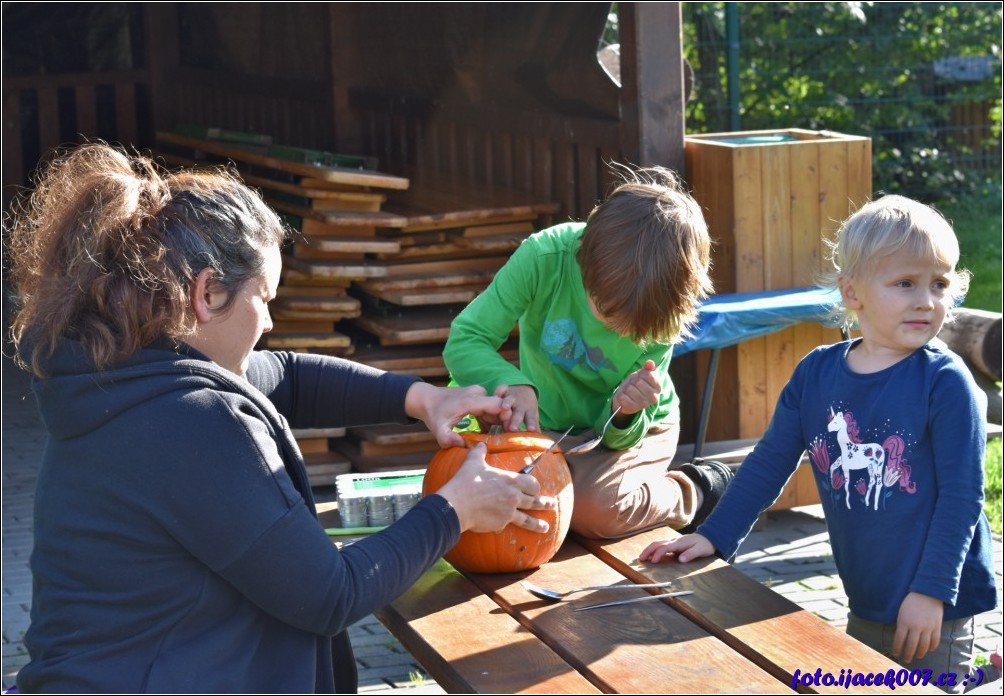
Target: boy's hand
column 687, row 548
column 638, row 390
column 520, row 402
column 918, row 626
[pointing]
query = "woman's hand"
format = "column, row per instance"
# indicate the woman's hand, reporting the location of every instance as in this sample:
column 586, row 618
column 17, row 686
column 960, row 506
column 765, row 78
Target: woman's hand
column 487, row 499
column 441, row 408
column 687, row 548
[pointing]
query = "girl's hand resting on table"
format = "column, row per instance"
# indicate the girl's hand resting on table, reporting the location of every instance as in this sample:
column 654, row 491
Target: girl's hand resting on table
column 486, row 499
column 687, row 548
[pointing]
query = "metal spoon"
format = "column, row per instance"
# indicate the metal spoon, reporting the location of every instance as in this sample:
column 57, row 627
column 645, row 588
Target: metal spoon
column 590, row 445
column 554, row 595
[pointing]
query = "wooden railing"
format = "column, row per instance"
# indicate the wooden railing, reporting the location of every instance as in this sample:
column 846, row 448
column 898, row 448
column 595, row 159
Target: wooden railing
column 291, row 111
column 555, row 158
column 41, row 112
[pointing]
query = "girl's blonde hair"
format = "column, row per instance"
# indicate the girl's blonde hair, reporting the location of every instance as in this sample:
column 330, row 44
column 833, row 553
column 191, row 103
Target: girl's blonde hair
column 646, row 256
column 888, row 225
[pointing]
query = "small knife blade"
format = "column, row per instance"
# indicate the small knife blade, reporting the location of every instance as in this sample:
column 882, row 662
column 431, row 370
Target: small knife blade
column 664, row 595
column 529, row 467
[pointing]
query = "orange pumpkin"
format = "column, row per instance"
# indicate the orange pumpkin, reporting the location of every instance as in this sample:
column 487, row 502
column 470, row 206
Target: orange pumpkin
column 512, row 549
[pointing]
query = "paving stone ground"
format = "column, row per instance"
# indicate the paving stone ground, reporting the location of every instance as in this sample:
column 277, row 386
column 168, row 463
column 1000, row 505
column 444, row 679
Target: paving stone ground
column 789, row 552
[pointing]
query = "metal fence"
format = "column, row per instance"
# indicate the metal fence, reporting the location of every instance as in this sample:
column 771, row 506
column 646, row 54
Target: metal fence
column 922, row 80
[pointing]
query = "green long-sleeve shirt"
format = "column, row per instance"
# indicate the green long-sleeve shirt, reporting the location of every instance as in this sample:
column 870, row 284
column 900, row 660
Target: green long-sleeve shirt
column 572, row 360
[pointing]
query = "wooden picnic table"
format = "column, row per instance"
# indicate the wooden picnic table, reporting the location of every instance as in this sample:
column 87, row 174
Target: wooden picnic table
column 487, row 634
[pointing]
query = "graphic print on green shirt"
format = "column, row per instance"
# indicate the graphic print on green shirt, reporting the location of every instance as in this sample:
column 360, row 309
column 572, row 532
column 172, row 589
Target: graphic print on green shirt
column 565, row 347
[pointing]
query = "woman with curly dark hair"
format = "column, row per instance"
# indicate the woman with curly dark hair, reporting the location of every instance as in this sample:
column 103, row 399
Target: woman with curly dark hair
column 176, row 542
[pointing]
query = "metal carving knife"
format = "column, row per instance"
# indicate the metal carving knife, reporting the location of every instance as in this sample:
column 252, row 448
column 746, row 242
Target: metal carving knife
column 664, row 595
column 529, row 467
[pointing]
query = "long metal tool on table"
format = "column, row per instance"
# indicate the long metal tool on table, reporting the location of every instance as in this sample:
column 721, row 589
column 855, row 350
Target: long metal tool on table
column 664, row 595
column 554, row 595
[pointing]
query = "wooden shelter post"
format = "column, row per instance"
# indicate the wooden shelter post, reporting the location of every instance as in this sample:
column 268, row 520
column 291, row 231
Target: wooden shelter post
column 652, row 103
column 162, row 57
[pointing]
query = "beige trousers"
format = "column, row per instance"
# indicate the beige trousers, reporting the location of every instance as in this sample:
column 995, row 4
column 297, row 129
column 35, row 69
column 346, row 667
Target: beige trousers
column 619, row 493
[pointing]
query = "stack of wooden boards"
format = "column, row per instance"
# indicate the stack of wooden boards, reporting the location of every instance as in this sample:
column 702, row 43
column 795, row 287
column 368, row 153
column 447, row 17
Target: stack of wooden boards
column 380, row 268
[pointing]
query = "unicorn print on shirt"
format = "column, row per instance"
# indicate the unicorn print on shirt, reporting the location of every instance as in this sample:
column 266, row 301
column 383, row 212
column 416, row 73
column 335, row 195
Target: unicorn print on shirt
column 884, row 465
column 853, row 456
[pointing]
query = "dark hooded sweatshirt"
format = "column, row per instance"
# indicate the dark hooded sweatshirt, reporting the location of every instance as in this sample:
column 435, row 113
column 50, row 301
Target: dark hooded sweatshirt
column 176, row 542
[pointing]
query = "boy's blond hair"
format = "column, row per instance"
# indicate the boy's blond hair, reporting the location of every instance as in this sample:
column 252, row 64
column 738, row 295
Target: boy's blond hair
column 885, row 226
column 646, row 256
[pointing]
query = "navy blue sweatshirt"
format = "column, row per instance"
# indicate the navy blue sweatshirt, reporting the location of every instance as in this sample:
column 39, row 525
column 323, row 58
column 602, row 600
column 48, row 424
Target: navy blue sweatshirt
column 177, row 547
column 898, row 460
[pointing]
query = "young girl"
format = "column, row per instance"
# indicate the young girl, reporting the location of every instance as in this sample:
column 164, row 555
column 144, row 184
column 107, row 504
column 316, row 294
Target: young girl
column 895, row 428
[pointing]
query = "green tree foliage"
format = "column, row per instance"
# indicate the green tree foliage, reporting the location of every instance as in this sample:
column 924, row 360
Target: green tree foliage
column 861, row 68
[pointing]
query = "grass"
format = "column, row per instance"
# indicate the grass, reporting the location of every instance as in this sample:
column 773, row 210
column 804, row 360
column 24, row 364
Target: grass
column 992, row 485
column 977, row 222
column 978, row 225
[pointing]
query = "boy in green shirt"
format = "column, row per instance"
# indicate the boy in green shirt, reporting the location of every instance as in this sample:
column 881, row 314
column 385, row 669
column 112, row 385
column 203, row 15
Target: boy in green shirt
column 599, row 305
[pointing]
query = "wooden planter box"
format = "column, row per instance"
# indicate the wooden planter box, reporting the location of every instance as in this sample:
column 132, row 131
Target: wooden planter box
column 770, row 199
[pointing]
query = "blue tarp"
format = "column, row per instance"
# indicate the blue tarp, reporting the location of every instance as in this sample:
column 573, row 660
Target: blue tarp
column 726, row 320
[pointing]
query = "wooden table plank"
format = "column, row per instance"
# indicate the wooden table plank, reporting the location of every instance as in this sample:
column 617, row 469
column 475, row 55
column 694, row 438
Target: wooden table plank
column 492, row 243
column 394, row 434
column 758, row 623
column 340, row 218
column 368, row 464
column 640, row 648
column 352, row 196
column 346, row 270
column 445, row 266
column 294, row 341
column 303, row 299
column 469, row 645
column 350, row 244
column 452, row 294
column 312, row 303
column 411, row 359
column 430, row 279
column 437, row 204
column 356, row 197
column 337, row 175
column 427, row 325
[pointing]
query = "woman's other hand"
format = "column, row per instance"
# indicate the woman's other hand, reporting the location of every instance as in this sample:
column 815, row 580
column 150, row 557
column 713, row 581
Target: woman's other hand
column 487, row 499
